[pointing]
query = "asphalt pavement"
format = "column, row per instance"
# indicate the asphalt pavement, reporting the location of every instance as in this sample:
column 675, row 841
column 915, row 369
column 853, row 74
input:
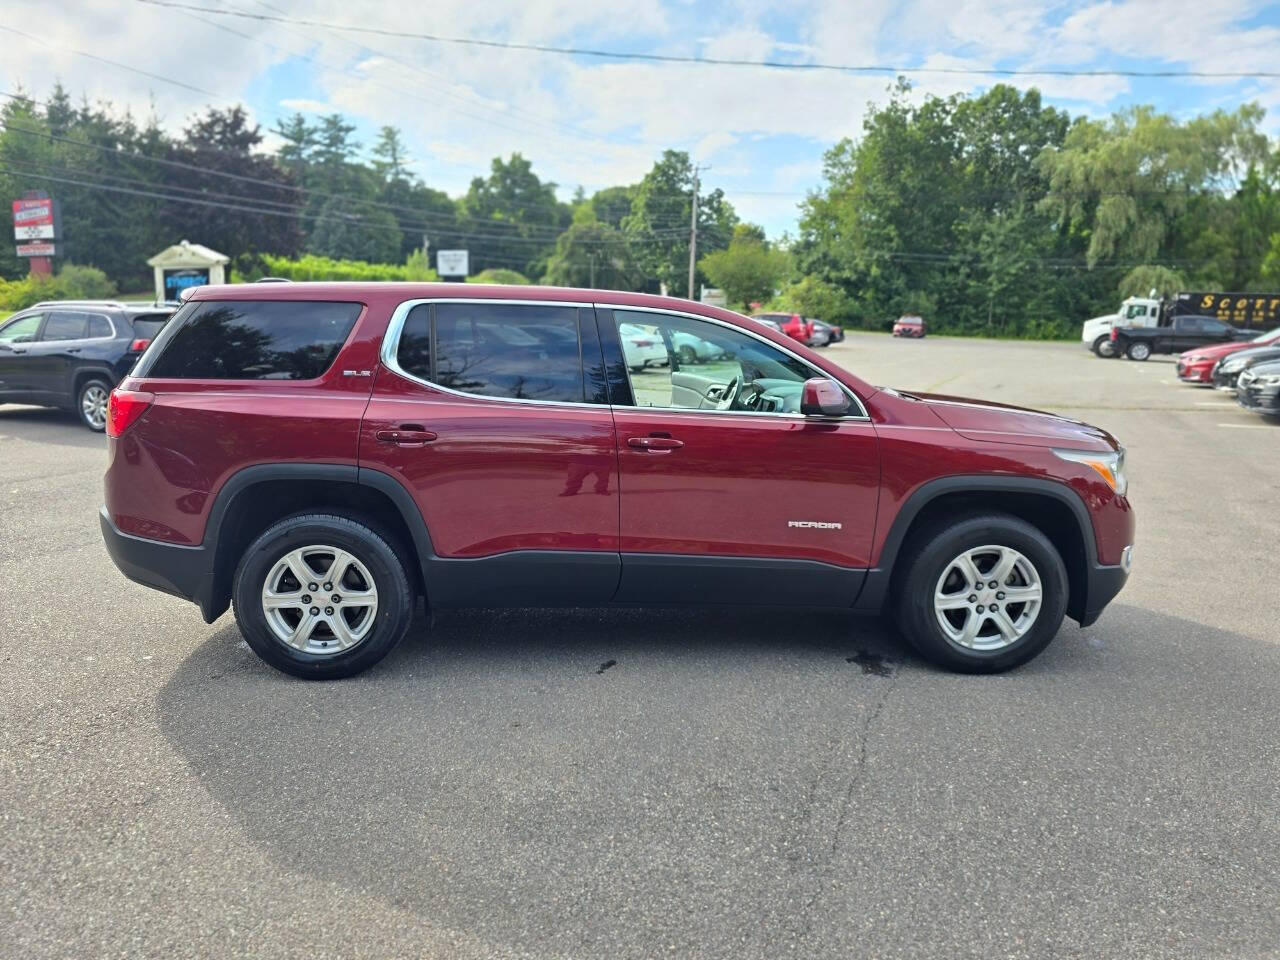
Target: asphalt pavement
column 640, row 783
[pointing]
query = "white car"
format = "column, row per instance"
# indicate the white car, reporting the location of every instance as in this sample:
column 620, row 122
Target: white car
column 642, row 347
column 691, row 349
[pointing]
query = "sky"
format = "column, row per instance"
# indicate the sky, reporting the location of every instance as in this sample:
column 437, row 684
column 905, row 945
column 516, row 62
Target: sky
column 592, row 122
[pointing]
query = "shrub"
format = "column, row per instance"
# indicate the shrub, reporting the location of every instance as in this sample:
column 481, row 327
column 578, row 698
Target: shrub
column 313, row 267
column 813, row 297
column 499, row 275
column 72, row 282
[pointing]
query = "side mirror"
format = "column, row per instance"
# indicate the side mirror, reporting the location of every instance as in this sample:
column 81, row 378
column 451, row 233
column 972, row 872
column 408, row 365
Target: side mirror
column 823, row 398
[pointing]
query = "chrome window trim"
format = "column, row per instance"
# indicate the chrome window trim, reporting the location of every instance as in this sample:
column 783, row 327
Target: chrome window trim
column 391, row 345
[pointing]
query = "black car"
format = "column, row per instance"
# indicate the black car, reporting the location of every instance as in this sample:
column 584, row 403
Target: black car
column 1227, row 370
column 1185, row 333
column 1258, row 389
column 70, row 353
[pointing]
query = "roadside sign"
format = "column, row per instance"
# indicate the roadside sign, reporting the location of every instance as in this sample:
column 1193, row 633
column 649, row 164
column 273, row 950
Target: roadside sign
column 714, row 297
column 38, row 248
column 177, row 281
column 34, row 231
column 33, row 212
column 452, row 263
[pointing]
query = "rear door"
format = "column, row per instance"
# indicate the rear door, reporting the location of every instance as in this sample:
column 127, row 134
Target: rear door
column 729, row 494
column 494, row 415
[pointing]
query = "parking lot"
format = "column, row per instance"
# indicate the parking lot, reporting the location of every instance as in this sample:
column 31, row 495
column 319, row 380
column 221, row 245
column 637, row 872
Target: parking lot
column 642, row 783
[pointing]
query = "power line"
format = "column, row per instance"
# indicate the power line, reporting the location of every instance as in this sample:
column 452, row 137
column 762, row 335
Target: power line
column 718, row 61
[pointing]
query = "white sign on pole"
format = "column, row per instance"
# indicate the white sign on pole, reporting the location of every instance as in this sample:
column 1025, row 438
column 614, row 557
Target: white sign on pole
column 452, row 263
column 42, row 231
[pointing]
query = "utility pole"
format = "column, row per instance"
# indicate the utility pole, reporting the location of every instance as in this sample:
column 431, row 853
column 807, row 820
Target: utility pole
column 693, row 233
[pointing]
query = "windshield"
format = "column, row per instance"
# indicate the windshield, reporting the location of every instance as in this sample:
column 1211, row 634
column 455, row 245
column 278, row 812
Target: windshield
column 1268, row 336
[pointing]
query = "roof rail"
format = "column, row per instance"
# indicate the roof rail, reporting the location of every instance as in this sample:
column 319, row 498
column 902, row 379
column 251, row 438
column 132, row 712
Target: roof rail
column 273, row 280
column 78, row 303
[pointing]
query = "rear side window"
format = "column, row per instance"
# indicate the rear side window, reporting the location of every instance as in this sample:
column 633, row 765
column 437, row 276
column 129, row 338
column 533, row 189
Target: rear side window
column 65, row 325
column 253, row 340
column 516, row 351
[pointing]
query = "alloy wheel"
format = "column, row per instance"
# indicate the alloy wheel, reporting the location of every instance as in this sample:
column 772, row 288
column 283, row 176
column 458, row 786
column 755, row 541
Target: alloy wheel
column 320, row 600
column 93, row 406
column 987, row 598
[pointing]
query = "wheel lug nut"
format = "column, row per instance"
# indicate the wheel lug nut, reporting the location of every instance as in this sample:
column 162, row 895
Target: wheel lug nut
column 315, row 611
column 336, row 598
column 979, row 608
column 993, row 608
column 329, row 586
column 328, row 611
column 313, row 587
column 973, row 598
column 306, row 598
column 993, row 584
column 1000, row 595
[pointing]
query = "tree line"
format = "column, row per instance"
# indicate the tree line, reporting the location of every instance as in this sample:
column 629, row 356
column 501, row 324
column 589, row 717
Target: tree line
column 988, row 214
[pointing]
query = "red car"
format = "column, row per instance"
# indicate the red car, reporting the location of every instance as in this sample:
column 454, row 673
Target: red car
column 792, row 324
column 1196, row 365
column 321, row 455
column 909, row 326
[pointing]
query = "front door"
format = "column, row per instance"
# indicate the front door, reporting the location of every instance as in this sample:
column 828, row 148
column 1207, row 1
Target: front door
column 16, row 339
column 729, row 494
column 495, row 417
column 55, row 353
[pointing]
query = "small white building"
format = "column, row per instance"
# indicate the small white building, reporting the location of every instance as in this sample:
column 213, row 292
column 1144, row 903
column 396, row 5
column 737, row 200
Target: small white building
column 186, row 265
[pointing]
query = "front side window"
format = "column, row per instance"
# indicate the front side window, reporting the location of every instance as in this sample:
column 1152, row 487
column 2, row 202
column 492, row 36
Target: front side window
column 1213, row 327
column 512, row 351
column 65, row 325
column 711, row 367
column 254, row 340
column 21, row 330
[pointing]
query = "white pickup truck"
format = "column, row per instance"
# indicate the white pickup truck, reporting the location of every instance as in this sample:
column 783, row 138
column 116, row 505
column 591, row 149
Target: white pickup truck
column 1134, row 312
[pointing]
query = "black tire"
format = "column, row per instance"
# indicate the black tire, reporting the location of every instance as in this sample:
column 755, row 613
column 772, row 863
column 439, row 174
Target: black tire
column 387, row 568
column 1138, row 350
column 926, row 558
column 1102, row 346
column 688, row 356
column 87, row 401
column 636, row 368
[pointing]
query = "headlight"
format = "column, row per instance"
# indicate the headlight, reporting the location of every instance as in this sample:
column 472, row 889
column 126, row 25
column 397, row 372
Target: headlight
column 1269, row 380
column 1231, row 366
column 1197, row 359
column 1109, row 466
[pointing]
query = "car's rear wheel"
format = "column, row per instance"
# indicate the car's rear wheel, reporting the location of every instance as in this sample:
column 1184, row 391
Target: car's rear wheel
column 91, row 404
column 981, row 594
column 1138, row 350
column 688, row 356
column 1102, row 346
column 322, row 597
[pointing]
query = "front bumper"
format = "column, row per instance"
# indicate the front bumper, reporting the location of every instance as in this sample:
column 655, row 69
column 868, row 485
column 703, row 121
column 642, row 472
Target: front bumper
column 1195, row 372
column 1104, row 582
column 1256, row 399
column 182, row 571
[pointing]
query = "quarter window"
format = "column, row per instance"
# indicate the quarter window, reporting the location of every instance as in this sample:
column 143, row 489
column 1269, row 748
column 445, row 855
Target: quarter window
column 514, row 351
column 705, row 366
column 254, row 340
column 99, row 326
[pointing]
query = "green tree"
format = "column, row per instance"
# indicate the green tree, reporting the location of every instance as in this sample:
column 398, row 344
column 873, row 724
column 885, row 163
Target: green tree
column 594, row 255
column 512, row 217
column 748, row 270
column 1140, row 281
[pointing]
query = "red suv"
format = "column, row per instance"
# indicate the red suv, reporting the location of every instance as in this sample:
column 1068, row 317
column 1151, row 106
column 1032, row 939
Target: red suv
column 319, row 456
column 792, row 324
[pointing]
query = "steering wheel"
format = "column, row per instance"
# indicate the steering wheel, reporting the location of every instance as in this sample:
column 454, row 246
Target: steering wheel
column 730, row 395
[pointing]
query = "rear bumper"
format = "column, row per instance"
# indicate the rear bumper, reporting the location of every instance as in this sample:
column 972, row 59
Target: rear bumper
column 182, row 571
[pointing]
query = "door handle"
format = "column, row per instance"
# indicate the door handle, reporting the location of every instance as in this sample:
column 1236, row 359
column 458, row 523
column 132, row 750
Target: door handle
column 655, row 444
column 16, row 350
column 406, row 437
column 73, row 350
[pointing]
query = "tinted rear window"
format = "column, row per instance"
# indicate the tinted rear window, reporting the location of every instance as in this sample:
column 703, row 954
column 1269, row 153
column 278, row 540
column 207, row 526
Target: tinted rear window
column 148, row 325
column 495, row 350
column 253, row 340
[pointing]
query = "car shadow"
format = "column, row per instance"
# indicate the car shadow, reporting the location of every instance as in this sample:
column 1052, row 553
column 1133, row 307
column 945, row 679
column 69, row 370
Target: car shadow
column 618, row 782
column 46, row 425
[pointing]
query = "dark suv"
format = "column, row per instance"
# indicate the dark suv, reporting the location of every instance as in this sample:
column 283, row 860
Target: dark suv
column 321, row 455
column 70, row 353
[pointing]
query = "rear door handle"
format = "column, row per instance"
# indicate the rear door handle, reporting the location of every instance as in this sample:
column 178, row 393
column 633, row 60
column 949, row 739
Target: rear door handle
column 656, row 444
column 406, row 437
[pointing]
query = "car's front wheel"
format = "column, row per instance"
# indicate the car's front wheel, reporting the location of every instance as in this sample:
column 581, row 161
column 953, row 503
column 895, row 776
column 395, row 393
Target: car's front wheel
column 981, row 594
column 322, row 597
column 91, row 404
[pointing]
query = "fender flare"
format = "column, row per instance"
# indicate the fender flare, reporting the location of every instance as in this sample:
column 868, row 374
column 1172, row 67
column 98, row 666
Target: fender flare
column 876, row 587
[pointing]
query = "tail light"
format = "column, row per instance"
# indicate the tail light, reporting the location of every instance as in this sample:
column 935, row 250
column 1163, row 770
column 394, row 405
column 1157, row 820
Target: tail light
column 1115, row 334
column 139, row 345
column 124, row 407
column 643, row 343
